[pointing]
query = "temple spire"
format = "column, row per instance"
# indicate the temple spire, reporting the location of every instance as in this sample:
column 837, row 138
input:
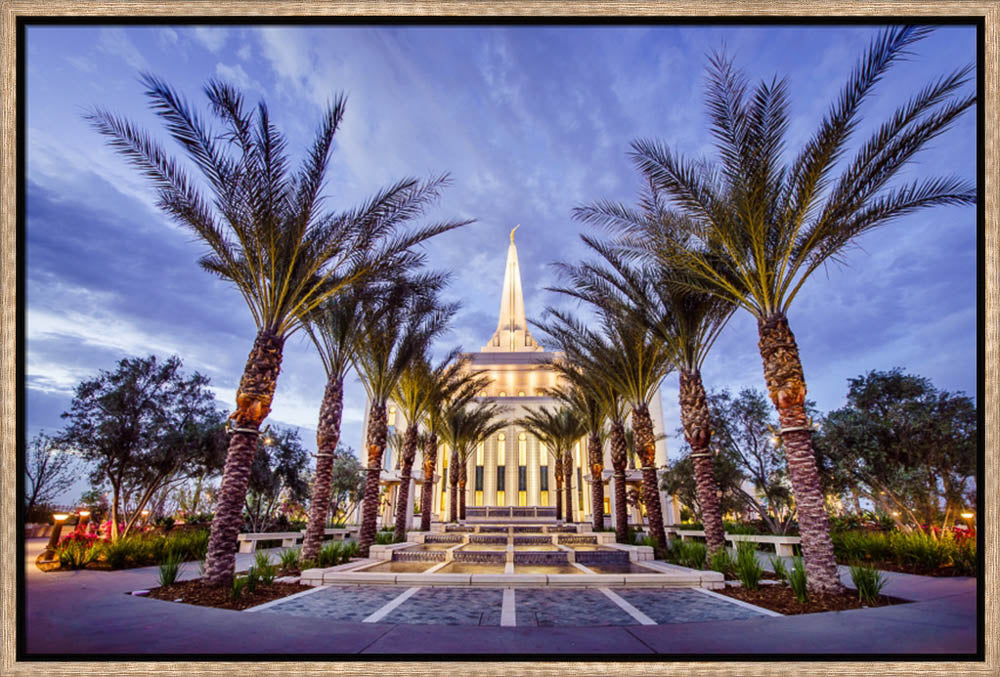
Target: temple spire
column 512, row 333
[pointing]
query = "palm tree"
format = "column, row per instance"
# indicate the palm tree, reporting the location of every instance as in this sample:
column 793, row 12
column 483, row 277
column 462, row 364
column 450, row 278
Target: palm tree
column 414, row 395
column 463, row 426
column 635, row 361
column 558, row 430
column 452, row 385
column 687, row 321
column 758, row 228
column 268, row 236
column 333, row 328
column 396, row 329
column 583, row 396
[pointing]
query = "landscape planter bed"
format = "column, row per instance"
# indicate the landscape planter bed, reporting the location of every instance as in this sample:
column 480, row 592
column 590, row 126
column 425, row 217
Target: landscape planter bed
column 198, row 593
column 781, row 598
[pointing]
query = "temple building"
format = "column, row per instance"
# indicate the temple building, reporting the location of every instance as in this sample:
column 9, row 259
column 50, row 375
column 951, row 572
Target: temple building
column 512, row 468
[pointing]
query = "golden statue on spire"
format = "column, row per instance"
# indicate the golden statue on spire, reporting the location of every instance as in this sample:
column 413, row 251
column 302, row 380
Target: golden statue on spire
column 512, row 232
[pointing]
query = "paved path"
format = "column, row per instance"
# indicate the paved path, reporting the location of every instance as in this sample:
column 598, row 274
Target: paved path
column 88, row 612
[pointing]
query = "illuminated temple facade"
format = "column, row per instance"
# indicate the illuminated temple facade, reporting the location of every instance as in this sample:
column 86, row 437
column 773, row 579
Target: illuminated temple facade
column 512, row 468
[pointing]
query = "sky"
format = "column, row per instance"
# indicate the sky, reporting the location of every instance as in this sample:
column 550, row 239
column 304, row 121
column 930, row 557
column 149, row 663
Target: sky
column 529, row 121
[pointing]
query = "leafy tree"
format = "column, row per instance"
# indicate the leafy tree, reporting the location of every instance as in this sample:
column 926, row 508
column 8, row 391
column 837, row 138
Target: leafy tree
column 905, row 445
column 347, row 483
column 756, row 227
column 679, row 480
column 267, row 234
column 278, row 475
column 49, row 470
column 142, row 426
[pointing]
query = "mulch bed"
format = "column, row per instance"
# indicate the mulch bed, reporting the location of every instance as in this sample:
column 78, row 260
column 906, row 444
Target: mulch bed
column 781, row 598
column 198, row 593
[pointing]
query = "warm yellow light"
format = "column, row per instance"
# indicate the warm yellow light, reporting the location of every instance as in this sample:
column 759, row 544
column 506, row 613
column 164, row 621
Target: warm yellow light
column 60, row 516
column 968, row 515
column 145, row 513
column 895, row 513
column 83, row 513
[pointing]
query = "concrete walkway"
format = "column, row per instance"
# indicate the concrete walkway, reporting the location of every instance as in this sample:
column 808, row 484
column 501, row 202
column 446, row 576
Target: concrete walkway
column 88, row 612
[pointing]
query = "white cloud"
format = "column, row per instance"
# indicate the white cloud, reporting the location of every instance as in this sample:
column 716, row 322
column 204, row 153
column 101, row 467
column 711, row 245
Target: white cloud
column 237, row 76
column 211, row 37
column 115, row 42
column 168, row 36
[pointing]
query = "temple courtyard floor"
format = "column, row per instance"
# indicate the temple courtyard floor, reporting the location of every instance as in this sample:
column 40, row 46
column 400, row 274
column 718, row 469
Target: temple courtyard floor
column 89, row 613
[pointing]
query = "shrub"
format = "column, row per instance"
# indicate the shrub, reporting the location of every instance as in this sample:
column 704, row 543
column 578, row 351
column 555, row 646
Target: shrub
column 383, row 538
column 329, row 554
column 350, row 550
column 289, row 559
column 239, row 584
column 722, row 562
column 264, row 569
column 869, row 581
column 916, row 550
column 77, row 554
column 122, row 553
column 252, row 579
column 688, row 554
column 797, row 579
column 780, row 570
column 170, row 568
column 307, row 564
column 748, row 569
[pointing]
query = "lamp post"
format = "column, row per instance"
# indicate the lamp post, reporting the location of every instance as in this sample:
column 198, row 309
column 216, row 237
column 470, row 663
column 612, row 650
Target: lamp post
column 81, row 524
column 50, row 549
column 145, row 517
column 967, row 516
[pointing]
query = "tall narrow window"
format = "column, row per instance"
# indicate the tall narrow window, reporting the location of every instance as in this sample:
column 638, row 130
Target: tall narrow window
column 501, row 467
column 543, row 486
column 522, row 469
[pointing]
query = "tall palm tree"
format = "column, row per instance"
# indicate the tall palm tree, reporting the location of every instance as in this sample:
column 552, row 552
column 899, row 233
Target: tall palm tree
column 414, row 394
column 635, row 362
column 267, row 234
column 758, row 228
column 465, row 425
column 396, row 329
column 452, row 385
column 687, row 321
column 559, row 430
column 333, row 328
column 584, row 397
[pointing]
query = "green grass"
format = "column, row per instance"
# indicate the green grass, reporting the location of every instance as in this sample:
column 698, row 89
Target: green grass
column 722, row 562
column 170, row 568
column 748, row 569
column 798, row 580
column 869, row 581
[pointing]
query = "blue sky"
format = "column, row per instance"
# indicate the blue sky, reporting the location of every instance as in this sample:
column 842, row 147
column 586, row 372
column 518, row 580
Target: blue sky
column 530, row 121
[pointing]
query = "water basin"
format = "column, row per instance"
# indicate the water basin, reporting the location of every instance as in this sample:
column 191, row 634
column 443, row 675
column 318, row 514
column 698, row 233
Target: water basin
column 546, row 569
column 398, row 567
column 518, row 547
column 491, row 547
column 425, row 547
column 470, row 568
column 586, row 547
column 626, row 568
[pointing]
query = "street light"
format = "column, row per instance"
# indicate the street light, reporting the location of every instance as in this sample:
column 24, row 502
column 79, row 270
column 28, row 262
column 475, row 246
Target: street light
column 81, row 524
column 50, row 549
column 967, row 516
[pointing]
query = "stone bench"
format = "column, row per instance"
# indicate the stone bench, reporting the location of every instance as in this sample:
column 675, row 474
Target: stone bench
column 783, row 545
column 339, row 534
column 289, row 539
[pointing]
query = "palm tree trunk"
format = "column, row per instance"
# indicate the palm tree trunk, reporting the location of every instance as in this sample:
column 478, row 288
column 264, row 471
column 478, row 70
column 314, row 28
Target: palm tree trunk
column 462, row 483
column 645, row 444
column 698, row 433
column 559, row 483
column 327, row 437
column 253, row 404
column 377, row 435
column 568, row 486
column 596, row 454
column 453, row 479
column 427, row 489
column 787, row 387
column 402, row 504
column 619, row 459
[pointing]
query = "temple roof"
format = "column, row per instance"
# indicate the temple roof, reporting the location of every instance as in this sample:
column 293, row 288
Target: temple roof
column 512, row 335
